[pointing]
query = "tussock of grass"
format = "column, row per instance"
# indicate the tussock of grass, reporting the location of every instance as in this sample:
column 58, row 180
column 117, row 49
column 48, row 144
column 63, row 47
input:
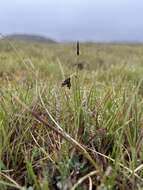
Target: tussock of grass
column 88, row 136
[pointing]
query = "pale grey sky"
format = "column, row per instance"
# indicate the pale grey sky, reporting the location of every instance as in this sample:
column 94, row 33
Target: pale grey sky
column 98, row 20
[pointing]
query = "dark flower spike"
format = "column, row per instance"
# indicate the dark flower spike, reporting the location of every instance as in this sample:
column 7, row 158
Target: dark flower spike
column 67, row 82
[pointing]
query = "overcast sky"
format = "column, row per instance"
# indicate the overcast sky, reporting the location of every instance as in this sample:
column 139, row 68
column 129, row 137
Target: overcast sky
column 98, row 20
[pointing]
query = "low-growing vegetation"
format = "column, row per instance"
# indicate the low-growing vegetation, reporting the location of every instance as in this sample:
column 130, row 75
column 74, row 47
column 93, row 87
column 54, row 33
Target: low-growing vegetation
column 71, row 122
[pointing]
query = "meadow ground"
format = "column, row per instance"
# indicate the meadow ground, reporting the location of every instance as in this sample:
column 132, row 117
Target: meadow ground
column 87, row 137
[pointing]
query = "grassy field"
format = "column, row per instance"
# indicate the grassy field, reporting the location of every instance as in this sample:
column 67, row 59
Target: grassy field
column 87, row 137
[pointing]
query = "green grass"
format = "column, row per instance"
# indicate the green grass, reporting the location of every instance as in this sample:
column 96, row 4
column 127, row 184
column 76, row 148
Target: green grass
column 51, row 136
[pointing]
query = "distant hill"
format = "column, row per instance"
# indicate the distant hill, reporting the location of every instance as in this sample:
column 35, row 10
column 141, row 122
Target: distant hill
column 29, row 37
